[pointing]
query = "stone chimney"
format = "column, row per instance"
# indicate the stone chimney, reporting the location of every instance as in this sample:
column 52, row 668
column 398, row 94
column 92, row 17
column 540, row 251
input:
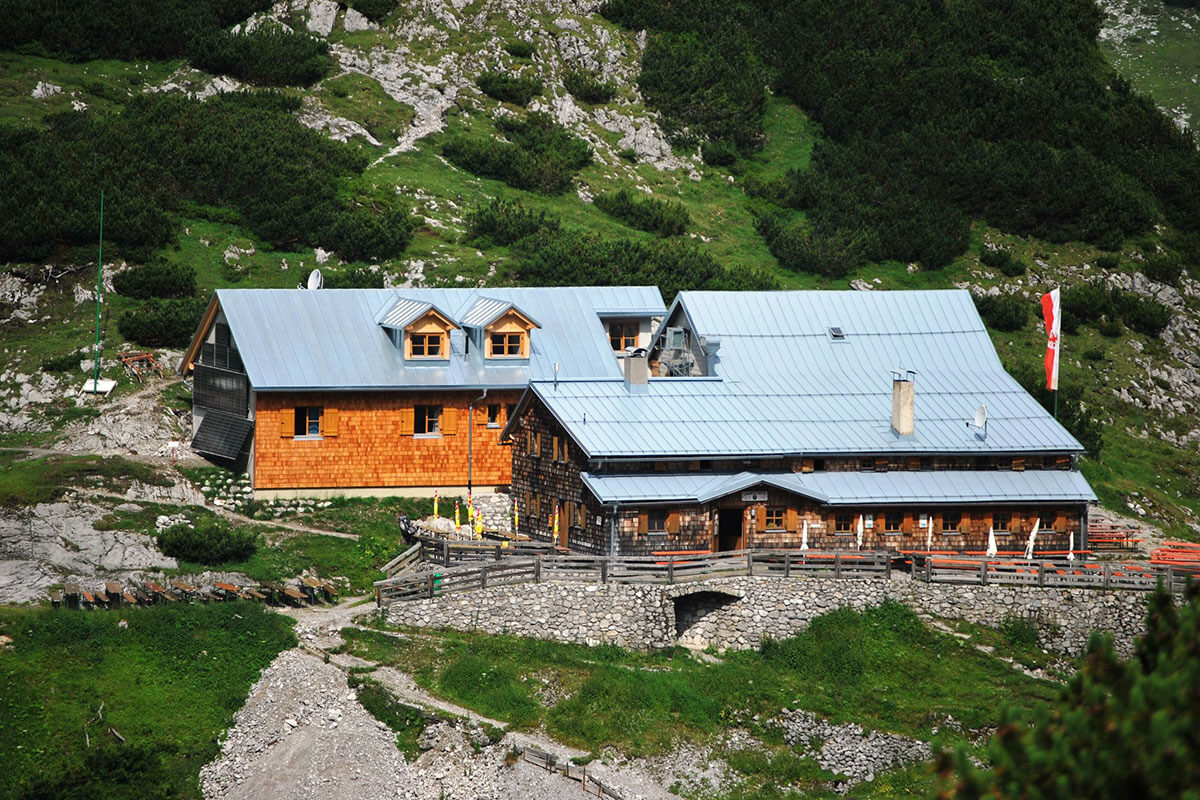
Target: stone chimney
column 903, row 402
column 637, row 367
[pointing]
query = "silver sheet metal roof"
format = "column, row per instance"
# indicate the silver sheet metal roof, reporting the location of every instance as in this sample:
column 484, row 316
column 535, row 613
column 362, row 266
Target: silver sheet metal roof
column 851, row 488
column 332, row 338
column 487, row 310
column 784, row 386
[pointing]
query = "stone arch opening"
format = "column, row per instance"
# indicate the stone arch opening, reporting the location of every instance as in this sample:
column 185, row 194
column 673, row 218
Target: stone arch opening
column 691, row 610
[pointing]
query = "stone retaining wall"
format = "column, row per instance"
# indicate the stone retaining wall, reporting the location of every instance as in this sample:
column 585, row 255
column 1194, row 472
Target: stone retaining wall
column 737, row 613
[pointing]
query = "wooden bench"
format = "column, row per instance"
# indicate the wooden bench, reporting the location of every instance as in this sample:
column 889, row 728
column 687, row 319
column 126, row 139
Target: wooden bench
column 310, row 586
column 293, row 597
column 112, row 591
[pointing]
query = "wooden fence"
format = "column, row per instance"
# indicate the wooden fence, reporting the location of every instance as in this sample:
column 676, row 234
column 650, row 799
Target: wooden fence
column 458, row 577
column 1041, row 573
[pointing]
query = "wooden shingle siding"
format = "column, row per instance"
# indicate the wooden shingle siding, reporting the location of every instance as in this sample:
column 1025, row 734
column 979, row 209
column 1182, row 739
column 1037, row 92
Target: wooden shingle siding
column 367, row 441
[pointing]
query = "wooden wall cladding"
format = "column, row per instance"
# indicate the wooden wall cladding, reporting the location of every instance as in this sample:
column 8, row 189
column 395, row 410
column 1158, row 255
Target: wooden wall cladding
column 374, row 445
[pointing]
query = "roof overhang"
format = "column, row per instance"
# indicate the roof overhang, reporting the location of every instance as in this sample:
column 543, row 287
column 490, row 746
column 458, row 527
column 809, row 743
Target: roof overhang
column 193, row 349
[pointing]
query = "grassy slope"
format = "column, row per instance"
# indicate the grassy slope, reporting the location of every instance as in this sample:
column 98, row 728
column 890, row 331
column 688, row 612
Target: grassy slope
column 1165, row 63
column 170, row 682
column 881, row 668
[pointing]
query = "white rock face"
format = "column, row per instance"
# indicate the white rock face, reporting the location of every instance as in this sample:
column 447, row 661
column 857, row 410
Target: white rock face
column 355, row 21
column 321, row 16
column 44, row 90
column 339, row 129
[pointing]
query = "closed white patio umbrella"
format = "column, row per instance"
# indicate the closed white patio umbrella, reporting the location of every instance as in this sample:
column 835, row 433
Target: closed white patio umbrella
column 804, row 536
column 1032, row 537
column 991, row 548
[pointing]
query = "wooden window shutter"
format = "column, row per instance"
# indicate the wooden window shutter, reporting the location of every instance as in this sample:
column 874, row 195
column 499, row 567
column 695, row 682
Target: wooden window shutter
column 406, row 421
column 525, row 345
column 673, row 522
column 287, row 423
column 330, row 424
column 793, row 520
column 449, row 422
column 643, row 522
column 564, row 447
column 806, row 465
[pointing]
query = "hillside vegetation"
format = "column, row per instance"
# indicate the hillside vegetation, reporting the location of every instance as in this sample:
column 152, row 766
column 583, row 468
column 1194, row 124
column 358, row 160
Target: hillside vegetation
column 685, row 143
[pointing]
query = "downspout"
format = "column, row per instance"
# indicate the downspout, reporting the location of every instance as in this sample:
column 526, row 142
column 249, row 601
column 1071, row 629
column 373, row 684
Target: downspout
column 471, row 437
column 612, row 533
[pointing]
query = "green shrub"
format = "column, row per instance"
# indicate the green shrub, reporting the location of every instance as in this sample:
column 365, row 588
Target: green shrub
column 211, row 543
column 1145, row 315
column 1109, row 261
column 645, row 213
column 1093, row 354
column 241, row 150
column 509, row 88
column 1083, row 303
column 64, row 363
column 629, row 154
column 371, row 229
column 503, row 222
column 1164, row 268
column 542, row 156
column 359, row 277
column 919, row 136
column 801, row 249
column 719, row 154
column 133, row 29
column 587, row 87
column 1111, row 328
column 710, row 88
column 1008, row 312
column 519, row 48
column 1020, row 631
column 157, row 279
column 1002, row 260
column 269, row 55
column 375, row 10
column 162, row 323
column 572, row 258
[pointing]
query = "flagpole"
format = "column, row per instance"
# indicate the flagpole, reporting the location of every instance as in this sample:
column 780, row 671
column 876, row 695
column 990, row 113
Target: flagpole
column 99, row 290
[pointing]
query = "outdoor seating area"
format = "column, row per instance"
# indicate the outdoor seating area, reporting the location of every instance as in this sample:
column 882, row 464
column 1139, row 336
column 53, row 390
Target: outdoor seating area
column 1103, row 535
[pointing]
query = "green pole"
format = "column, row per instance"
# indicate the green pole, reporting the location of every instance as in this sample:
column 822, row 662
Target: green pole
column 99, row 291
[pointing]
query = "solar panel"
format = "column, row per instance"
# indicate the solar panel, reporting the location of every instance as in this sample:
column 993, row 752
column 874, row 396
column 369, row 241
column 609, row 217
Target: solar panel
column 221, row 434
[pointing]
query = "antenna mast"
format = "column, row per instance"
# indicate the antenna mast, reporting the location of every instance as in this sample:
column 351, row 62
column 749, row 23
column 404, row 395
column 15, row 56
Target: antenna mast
column 99, row 291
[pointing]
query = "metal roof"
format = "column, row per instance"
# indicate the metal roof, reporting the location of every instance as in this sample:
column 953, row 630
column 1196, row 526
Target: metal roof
column 403, row 312
column 487, row 310
column 784, row 386
column 850, row 488
column 331, row 339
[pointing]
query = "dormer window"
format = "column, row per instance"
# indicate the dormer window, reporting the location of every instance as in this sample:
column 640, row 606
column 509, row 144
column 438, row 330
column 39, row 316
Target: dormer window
column 622, row 335
column 509, row 345
column 426, row 345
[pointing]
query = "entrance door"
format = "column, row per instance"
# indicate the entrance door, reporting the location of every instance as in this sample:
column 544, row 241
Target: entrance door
column 729, row 529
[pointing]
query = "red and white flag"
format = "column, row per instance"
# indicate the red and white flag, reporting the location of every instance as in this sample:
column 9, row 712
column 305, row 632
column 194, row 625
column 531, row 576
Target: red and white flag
column 1053, row 315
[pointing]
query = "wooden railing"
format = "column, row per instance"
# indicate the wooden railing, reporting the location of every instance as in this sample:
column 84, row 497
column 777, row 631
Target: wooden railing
column 669, row 569
column 1043, row 573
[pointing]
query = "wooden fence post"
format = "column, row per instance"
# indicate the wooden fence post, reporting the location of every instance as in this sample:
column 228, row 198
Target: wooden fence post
column 928, row 569
column 1170, row 579
column 837, row 565
column 671, row 569
column 1042, row 574
column 446, row 553
column 750, row 562
column 430, row 587
column 1107, row 575
column 787, row 564
column 887, row 570
column 537, row 569
column 604, row 572
column 499, row 555
column 983, row 573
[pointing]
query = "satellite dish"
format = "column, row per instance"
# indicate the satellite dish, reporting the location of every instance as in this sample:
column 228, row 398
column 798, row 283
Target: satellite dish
column 315, row 279
column 981, row 420
column 981, row 416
